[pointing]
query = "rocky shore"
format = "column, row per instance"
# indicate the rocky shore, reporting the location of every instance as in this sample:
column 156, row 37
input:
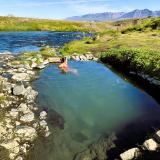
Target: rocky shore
column 20, row 124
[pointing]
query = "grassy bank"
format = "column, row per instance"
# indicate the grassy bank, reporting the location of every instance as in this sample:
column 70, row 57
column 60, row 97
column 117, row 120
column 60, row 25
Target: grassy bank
column 136, row 45
column 29, row 24
column 137, row 60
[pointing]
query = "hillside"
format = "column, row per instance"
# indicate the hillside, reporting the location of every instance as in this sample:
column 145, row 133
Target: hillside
column 31, row 24
column 114, row 16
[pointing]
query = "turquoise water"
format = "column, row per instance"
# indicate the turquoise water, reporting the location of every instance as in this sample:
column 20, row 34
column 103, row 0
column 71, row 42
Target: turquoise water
column 93, row 101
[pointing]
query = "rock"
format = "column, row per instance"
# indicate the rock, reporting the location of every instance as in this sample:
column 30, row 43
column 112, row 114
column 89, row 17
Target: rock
column 157, row 136
column 47, row 134
column 23, row 108
column 27, row 66
column 11, row 145
column 12, row 156
column 43, row 124
column 24, row 147
column 150, row 145
column 21, row 70
column 18, row 90
column 29, row 117
column 54, row 59
column 43, row 115
column 21, row 77
column 40, row 66
column 26, row 132
column 130, row 154
column 14, row 113
column 95, row 59
column 30, row 94
column 33, row 65
column 83, row 58
column 19, row 158
column 89, row 56
column 17, row 123
column 75, row 58
column 3, row 131
column 45, row 62
column 30, row 72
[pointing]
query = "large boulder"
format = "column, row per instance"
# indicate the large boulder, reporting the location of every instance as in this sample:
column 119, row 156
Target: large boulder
column 21, row 77
column 150, row 145
column 26, row 132
column 29, row 117
column 18, row 90
column 130, row 154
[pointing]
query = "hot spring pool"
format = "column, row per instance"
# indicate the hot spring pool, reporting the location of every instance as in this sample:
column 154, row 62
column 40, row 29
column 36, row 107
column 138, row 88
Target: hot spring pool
column 92, row 102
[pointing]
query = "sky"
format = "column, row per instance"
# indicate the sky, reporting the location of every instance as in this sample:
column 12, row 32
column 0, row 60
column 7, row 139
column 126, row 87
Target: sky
column 60, row 9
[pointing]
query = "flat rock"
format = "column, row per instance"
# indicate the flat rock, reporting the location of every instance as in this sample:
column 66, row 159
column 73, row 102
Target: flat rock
column 29, row 117
column 130, row 154
column 21, row 77
column 54, row 59
column 40, row 66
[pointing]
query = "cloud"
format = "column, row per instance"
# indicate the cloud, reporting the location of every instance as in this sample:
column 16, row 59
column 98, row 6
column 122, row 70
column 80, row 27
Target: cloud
column 39, row 3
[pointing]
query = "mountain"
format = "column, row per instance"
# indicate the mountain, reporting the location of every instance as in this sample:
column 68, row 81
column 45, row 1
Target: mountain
column 113, row 16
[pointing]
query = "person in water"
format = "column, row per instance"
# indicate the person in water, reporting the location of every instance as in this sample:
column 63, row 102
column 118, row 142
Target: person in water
column 64, row 64
column 64, row 67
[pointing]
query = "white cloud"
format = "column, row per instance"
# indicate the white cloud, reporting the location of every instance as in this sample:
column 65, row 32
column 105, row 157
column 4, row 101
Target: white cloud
column 55, row 2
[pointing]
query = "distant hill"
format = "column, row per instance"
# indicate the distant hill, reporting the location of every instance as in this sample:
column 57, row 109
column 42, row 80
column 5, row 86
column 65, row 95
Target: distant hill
column 114, row 16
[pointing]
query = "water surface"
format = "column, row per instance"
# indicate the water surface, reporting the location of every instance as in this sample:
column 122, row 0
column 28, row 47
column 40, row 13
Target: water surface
column 31, row 41
column 93, row 102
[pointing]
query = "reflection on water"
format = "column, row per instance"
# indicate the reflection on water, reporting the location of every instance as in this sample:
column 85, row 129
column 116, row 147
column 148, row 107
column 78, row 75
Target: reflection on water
column 31, row 41
column 94, row 102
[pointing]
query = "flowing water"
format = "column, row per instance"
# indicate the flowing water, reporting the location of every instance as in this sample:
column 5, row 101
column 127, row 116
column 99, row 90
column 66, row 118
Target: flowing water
column 93, row 101
column 31, row 41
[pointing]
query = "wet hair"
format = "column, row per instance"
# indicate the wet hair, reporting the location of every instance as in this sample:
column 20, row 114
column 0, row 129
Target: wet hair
column 63, row 59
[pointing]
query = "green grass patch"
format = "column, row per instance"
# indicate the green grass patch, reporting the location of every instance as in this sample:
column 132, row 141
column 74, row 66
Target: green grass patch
column 139, row 60
column 2, row 99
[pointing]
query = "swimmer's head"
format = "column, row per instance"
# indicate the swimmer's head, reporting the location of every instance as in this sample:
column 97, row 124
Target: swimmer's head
column 63, row 59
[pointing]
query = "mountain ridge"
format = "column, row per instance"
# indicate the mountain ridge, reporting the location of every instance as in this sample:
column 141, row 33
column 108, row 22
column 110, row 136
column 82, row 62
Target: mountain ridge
column 115, row 16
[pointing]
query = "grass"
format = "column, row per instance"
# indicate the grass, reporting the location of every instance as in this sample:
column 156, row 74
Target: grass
column 29, row 24
column 2, row 99
column 138, row 60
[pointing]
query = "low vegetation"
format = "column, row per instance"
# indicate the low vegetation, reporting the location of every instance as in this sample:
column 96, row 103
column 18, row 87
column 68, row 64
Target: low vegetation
column 29, row 24
column 137, row 60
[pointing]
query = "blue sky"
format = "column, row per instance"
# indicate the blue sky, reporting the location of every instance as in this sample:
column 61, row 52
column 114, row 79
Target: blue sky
column 59, row 9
